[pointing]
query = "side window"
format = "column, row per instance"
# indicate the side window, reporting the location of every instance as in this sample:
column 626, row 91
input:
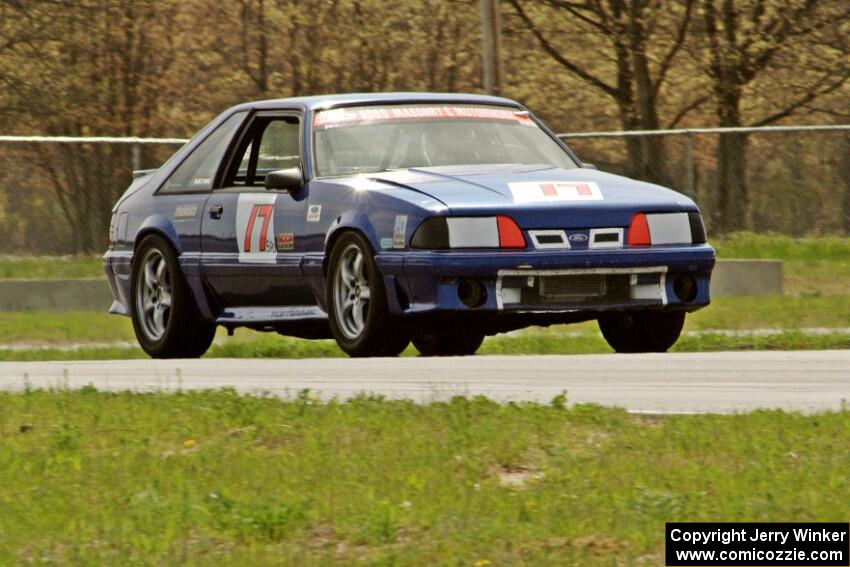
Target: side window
column 279, row 147
column 196, row 172
column 273, row 144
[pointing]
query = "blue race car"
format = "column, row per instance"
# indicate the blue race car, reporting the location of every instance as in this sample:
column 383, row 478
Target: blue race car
column 381, row 219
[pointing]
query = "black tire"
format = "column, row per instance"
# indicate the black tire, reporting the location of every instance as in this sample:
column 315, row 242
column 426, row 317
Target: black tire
column 449, row 343
column 375, row 332
column 183, row 333
column 642, row 331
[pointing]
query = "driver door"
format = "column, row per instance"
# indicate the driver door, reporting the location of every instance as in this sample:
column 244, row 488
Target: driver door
column 251, row 254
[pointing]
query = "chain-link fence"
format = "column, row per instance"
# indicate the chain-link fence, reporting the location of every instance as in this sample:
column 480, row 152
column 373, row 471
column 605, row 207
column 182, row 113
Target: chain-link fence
column 56, row 193
column 789, row 179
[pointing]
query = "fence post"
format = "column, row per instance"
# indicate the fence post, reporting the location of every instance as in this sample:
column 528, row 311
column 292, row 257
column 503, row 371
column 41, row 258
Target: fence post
column 491, row 37
column 136, row 156
column 689, row 137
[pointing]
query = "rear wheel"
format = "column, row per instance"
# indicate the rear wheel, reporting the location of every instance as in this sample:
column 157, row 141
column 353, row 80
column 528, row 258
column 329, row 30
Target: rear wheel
column 449, row 343
column 359, row 314
column 642, row 331
column 165, row 319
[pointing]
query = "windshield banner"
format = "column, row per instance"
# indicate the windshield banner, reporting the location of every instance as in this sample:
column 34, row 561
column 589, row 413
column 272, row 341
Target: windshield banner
column 344, row 116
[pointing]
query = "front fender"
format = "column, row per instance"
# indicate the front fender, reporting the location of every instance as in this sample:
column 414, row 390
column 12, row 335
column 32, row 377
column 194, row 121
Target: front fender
column 351, row 220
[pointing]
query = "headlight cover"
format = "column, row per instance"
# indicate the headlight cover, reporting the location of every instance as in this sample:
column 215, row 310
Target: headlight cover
column 444, row 233
column 647, row 229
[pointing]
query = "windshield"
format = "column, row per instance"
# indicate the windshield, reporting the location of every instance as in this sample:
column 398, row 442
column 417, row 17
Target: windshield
column 371, row 138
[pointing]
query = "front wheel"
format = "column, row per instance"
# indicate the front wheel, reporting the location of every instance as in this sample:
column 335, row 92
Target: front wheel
column 359, row 314
column 642, row 331
column 165, row 319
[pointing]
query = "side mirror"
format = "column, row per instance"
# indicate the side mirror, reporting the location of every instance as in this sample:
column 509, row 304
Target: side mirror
column 587, row 165
column 284, row 179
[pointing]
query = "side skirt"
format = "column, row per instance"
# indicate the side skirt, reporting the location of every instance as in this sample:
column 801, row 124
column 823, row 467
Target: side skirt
column 303, row 321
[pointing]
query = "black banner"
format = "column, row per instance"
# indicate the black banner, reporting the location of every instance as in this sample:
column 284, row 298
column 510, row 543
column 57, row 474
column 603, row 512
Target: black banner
column 752, row 543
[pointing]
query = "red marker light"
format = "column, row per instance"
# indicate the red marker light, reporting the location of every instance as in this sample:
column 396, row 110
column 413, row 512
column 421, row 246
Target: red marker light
column 639, row 231
column 510, row 236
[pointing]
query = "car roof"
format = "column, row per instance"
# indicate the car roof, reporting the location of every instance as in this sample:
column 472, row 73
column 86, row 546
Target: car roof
column 361, row 99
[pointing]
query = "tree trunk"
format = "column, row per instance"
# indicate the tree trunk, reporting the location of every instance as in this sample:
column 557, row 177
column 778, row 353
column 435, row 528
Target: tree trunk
column 634, row 144
column 733, row 202
column 844, row 176
column 733, row 199
column 652, row 165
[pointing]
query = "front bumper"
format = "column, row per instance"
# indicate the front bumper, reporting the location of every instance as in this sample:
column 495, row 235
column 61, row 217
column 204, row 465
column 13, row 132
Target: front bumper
column 422, row 282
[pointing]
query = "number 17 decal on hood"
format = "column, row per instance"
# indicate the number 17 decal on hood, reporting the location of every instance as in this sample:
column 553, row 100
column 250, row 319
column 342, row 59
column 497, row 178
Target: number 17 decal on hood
column 255, row 234
column 542, row 191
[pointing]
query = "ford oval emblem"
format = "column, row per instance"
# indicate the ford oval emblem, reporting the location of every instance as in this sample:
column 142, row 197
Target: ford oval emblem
column 578, row 237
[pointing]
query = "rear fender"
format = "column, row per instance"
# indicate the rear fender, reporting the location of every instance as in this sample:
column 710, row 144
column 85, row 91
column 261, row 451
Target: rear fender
column 160, row 225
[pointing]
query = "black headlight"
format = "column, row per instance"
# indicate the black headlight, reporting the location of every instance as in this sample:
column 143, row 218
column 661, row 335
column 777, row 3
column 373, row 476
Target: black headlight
column 698, row 235
column 433, row 234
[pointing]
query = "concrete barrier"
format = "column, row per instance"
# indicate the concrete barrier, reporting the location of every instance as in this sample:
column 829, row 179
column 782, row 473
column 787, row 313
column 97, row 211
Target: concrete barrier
column 730, row 277
column 746, row 277
column 85, row 294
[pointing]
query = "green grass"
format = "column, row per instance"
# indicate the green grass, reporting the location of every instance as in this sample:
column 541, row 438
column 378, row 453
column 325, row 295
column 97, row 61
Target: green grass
column 832, row 249
column 774, row 312
column 41, row 327
column 556, row 340
column 213, row 478
column 817, row 274
column 733, row 313
column 51, row 336
column 50, row 267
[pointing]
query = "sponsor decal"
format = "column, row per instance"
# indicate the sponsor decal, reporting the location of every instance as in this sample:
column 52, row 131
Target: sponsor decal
column 314, row 213
column 342, row 116
column 386, row 242
column 399, row 231
column 255, row 227
column 185, row 212
column 296, row 313
column 285, row 240
column 542, row 191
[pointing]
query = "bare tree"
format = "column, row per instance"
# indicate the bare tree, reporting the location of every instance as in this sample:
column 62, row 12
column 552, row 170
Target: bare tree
column 745, row 39
column 107, row 75
column 643, row 39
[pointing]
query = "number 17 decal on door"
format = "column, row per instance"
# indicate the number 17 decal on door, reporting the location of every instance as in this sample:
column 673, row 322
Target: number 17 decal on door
column 255, row 228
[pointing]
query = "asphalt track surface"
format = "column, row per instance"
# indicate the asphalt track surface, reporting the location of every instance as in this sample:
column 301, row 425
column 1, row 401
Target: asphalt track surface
column 721, row 382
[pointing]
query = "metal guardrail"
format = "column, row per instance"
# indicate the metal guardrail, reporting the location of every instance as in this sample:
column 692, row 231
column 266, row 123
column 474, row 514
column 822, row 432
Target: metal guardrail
column 600, row 134
column 136, row 154
column 93, row 139
column 689, row 133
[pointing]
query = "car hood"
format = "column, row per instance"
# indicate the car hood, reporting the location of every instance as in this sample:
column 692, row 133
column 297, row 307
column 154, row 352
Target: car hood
column 540, row 196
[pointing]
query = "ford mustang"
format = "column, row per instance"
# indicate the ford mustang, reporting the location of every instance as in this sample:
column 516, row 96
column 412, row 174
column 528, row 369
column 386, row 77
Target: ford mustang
column 381, row 219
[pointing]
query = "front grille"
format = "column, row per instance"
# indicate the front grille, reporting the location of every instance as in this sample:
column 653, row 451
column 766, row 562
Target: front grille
column 558, row 289
column 580, row 289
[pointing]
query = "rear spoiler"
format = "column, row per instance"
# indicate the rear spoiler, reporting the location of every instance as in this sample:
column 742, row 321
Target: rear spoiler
column 142, row 172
